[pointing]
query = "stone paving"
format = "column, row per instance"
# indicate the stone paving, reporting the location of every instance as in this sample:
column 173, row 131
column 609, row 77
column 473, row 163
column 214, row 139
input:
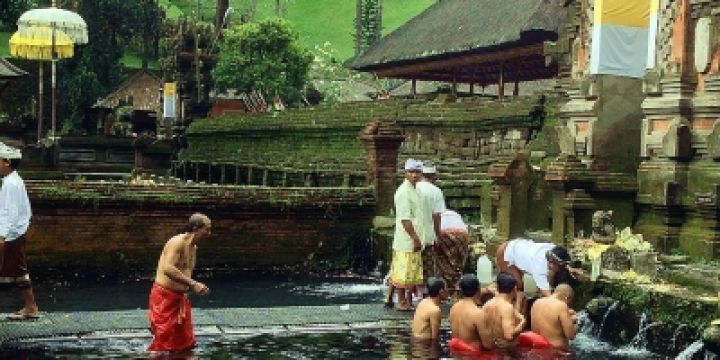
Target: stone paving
column 134, row 323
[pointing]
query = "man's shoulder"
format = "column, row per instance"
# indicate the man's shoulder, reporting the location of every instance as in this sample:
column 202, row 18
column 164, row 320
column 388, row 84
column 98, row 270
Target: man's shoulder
column 175, row 240
column 13, row 180
column 405, row 186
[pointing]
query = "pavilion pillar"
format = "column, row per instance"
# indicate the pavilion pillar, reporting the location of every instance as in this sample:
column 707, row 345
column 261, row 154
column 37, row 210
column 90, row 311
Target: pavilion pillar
column 516, row 90
column 413, row 89
column 454, row 85
column 501, row 84
column 472, row 89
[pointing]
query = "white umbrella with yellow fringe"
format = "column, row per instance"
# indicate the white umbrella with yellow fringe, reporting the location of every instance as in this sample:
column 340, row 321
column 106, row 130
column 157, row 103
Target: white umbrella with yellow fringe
column 48, row 34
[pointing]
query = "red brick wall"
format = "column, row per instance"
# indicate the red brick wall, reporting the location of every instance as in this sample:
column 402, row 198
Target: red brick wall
column 129, row 236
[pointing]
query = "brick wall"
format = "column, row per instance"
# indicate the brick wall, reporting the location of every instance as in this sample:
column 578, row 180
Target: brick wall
column 271, row 228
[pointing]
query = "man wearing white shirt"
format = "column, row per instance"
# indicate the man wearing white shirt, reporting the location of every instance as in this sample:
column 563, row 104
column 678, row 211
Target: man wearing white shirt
column 406, row 267
column 433, row 204
column 15, row 216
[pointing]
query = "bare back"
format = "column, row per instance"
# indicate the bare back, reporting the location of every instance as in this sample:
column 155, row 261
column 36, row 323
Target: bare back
column 178, row 253
column 426, row 322
column 467, row 323
column 552, row 318
column 502, row 320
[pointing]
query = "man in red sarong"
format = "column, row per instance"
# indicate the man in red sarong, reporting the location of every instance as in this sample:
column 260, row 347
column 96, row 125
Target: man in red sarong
column 169, row 307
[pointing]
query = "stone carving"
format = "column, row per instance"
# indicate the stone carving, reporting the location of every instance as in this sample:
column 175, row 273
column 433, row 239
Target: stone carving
column 566, row 140
column 713, row 142
column 603, row 231
column 677, row 142
column 616, row 258
column 652, row 84
column 702, row 44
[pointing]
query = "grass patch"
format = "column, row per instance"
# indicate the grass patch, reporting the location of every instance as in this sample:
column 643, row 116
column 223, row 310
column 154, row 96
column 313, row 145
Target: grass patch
column 133, row 61
column 318, row 21
column 5, row 44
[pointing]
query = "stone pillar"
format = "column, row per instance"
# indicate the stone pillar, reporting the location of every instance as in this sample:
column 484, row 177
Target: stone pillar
column 568, row 178
column 382, row 139
column 512, row 175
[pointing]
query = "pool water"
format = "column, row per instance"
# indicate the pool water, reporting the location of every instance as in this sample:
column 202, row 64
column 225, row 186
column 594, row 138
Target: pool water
column 392, row 343
column 359, row 343
column 226, row 292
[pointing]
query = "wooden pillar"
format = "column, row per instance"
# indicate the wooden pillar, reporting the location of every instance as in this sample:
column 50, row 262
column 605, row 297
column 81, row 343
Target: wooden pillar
column 222, row 173
column 284, row 181
column 454, row 85
column 265, row 177
column 249, row 175
column 516, row 90
column 237, row 175
column 501, row 84
column 472, row 89
column 413, row 89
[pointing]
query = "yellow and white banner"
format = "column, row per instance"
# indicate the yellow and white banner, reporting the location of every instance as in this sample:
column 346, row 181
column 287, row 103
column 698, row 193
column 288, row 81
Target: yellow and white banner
column 169, row 92
column 624, row 33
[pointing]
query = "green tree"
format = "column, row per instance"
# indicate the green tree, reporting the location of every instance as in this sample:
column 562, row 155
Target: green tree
column 95, row 70
column 265, row 56
column 10, row 11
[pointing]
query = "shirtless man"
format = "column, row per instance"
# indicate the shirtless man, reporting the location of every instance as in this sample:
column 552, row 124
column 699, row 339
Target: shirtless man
column 553, row 318
column 169, row 308
column 426, row 322
column 504, row 322
column 467, row 320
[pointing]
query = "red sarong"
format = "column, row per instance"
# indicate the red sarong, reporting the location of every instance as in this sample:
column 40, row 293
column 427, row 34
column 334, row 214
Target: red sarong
column 170, row 320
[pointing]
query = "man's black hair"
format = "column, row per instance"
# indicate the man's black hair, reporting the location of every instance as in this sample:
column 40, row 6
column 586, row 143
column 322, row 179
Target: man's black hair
column 434, row 286
column 506, row 282
column 564, row 277
column 14, row 163
column 559, row 255
column 469, row 285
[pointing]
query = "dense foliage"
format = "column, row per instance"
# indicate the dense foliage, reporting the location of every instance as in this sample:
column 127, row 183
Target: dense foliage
column 265, row 56
column 10, row 11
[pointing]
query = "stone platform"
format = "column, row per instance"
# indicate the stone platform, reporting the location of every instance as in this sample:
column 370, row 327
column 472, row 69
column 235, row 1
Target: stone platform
column 208, row 322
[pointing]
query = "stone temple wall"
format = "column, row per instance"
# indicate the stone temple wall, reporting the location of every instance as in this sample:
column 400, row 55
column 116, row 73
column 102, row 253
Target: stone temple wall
column 646, row 148
column 464, row 138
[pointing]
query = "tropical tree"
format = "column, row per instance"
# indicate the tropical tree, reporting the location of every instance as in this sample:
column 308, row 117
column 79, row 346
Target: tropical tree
column 96, row 69
column 10, row 11
column 265, row 56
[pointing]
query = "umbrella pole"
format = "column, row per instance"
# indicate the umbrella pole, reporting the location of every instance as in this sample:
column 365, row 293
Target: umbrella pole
column 40, row 103
column 54, row 90
column 54, row 97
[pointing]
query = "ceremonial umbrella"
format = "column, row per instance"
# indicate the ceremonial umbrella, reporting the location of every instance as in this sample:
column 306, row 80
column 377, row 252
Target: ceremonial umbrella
column 63, row 25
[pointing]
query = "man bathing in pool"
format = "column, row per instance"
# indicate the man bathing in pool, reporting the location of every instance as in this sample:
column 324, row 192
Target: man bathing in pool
column 467, row 320
column 553, row 318
column 426, row 322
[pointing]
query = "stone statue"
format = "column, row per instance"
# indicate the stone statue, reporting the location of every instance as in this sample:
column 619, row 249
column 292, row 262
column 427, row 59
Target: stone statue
column 603, row 230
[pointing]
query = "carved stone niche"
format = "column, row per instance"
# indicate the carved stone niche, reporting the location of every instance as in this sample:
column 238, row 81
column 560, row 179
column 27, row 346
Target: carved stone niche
column 652, row 84
column 713, row 142
column 588, row 87
column 677, row 142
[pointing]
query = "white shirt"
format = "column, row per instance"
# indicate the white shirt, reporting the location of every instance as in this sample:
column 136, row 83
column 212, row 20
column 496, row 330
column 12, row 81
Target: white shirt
column 407, row 207
column 433, row 203
column 529, row 257
column 450, row 220
column 15, row 210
